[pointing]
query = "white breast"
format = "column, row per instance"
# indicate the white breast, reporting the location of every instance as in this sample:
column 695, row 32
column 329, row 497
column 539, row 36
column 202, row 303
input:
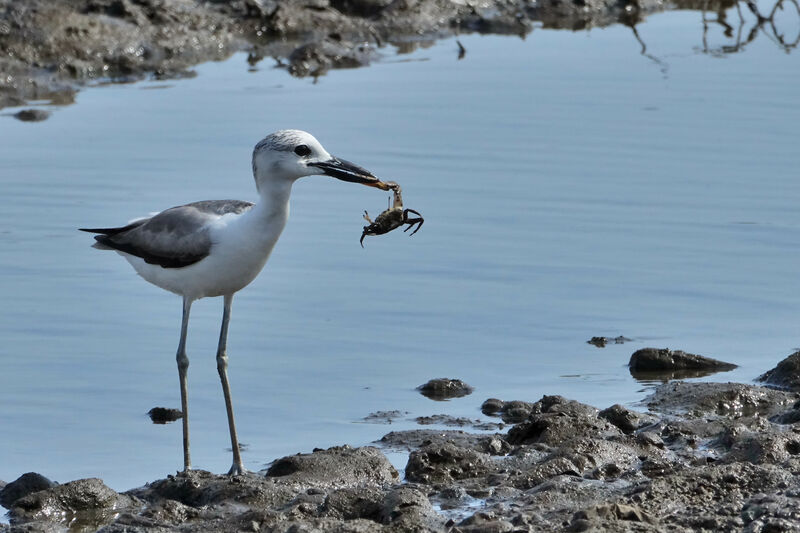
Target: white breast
column 241, row 245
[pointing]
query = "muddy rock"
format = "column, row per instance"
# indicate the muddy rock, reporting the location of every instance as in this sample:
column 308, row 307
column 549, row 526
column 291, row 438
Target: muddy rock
column 625, row 419
column 22, row 486
column 349, row 503
column 336, row 466
column 416, row 438
column 785, row 375
column 444, row 388
column 758, row 445
column 654, row 359
column 707, row 458
column 722, row 399
column 554, row 420
column 447, row 420
column 384, row 417
column 710, row 497
column 85, row 501
column 446, row 462
column 407, row 508
column 511, row 412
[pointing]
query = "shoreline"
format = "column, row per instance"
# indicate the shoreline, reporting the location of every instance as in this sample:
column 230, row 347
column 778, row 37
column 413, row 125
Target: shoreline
column 52, row 49
column 705, row 456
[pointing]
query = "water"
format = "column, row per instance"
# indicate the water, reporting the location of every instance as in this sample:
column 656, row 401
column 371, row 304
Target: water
column 571, row 187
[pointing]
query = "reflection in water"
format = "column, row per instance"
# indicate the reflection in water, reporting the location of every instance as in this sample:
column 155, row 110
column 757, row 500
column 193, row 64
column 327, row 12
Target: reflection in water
column 764, row 24
column 656, row 377
column 743, row 34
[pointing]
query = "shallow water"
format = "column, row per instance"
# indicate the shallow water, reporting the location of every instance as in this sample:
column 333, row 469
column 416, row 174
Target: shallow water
column 571, row 187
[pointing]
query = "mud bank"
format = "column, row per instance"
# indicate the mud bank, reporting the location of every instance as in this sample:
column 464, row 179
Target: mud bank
column 50, row 48
column 704, row 457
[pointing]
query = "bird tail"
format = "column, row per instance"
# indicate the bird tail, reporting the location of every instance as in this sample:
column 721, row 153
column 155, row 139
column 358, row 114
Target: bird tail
column 105, row 231
column 103, row 240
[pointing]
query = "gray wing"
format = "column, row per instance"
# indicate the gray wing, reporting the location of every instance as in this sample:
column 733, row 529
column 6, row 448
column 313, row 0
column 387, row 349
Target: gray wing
column 174, row 238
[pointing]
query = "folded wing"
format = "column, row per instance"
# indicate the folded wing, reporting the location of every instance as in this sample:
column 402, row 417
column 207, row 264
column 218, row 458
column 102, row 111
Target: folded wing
column 174, row 238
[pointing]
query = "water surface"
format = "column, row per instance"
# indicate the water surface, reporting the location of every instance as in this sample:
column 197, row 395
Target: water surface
column 571, row 187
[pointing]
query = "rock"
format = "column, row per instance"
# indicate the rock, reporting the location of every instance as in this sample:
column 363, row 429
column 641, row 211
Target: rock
column 625, row 419
column 32, row 115
column 22, row 486
column 384, row 417
column 416, row 438
column 352, row 503
column 336, row 466
column 706, row 459
column 511, row 412
column 406, row 508
column 445, row 462
column 492, row 406
column 444, row 389
column 601, row 342
column 85, row 501
column 721, row 399
column 785, row 375
column 447, row 420
column 164, row 415
column 653, row 359
column 555, row 420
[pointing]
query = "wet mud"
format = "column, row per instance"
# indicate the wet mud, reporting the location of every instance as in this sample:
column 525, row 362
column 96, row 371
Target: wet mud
column 51, row 48
column 693, row 457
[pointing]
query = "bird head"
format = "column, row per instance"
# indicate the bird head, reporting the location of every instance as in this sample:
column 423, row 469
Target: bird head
column 288, row 155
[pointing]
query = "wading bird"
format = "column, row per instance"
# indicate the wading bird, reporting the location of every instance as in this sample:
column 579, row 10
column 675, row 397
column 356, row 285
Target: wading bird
column 217, row 247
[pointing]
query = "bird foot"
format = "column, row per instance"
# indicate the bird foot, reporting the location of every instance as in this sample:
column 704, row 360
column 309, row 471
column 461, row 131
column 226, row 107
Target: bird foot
column 237, row 470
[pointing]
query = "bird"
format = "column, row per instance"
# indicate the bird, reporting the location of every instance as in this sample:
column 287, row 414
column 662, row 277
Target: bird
column 217, row 247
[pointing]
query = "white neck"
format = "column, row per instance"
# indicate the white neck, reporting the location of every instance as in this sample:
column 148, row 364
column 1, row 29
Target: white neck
column 274, row 197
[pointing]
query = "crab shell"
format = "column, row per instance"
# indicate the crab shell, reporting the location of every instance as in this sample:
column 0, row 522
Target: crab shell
column 390, row 219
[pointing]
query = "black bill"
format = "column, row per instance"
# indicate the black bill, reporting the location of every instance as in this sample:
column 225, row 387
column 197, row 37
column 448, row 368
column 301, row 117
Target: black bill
column 347, row 171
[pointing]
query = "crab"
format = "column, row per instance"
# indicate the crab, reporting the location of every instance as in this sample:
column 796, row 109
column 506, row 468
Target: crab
column 392, row 218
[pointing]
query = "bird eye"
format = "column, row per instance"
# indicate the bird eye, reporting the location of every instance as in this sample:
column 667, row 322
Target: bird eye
column 302, row 150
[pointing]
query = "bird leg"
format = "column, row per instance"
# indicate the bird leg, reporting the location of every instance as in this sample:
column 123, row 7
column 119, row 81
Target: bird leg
column 183, row 367
column 222, row 368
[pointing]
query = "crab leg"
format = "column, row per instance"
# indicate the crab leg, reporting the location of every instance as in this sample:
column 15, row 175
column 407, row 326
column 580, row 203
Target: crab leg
column 412, row 221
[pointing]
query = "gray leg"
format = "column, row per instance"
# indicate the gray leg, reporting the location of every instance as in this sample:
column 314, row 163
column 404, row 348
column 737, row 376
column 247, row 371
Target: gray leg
column 222, row 368
column 183, row 366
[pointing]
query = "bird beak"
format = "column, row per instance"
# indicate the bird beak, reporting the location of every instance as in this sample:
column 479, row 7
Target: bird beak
column 347, row 171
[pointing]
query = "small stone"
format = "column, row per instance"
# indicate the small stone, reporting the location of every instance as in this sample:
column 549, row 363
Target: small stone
column 32, row 115
column 444, row 389
column 164, row 415
column 492, row 406
column 625, row 419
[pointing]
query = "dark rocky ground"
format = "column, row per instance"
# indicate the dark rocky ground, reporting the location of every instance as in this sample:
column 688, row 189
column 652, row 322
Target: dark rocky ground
column 703, row 457
column 50, row 48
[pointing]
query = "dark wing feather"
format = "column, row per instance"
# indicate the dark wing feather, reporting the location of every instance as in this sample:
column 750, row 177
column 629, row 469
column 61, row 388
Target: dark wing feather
column 174, row 238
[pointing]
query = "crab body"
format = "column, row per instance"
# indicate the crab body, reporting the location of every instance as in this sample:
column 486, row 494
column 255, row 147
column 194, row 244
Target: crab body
column 394, row 217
